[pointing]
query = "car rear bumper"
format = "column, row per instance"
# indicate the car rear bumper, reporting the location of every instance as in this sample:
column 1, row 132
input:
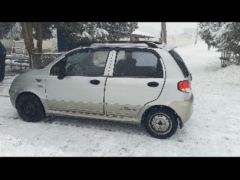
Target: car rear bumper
column 184, row 109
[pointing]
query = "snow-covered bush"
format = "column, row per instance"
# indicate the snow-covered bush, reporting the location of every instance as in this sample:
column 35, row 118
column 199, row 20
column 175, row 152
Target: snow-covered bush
column 224, row 36
column 81, row 33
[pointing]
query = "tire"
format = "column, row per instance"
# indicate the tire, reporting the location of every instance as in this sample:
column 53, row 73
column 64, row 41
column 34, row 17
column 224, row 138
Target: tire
column 2, row 71
column 160, row 123
column 30, row 108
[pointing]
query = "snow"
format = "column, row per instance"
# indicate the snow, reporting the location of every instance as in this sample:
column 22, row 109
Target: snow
column 14, row 63
column 217, row 34
column 213, row 129
column 99, row 32
column 4, row 87
column 85, row 34
column 140, row 33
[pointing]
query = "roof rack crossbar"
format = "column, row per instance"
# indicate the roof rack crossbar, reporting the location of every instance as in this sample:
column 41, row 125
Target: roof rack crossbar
column 151, row 44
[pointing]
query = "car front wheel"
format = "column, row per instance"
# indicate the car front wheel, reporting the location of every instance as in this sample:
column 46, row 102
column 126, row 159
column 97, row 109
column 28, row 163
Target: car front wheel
column 30, row 108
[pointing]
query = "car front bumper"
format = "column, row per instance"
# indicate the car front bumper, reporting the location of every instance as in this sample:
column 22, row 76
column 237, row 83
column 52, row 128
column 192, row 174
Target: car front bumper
column 12, row 95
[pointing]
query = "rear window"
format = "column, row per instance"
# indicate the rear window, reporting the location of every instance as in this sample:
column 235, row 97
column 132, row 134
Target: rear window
column 136, row 63
column 180, row 63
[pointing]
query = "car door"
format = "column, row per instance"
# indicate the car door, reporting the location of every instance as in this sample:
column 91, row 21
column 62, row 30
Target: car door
column 81, row 91
column 138, row 78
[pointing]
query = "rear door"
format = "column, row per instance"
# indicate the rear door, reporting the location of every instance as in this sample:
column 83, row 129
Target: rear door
column 138, row 78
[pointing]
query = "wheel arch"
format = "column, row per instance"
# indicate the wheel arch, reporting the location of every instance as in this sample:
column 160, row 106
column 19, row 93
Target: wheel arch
column 162, row 107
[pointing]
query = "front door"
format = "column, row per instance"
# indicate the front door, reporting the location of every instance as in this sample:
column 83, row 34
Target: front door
column 82, row 89
column 137, row 79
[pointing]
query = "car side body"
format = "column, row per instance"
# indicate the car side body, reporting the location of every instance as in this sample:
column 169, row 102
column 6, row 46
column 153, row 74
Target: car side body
column 110, row 96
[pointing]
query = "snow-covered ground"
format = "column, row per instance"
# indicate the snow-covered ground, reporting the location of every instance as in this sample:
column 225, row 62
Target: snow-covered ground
column 213, row 130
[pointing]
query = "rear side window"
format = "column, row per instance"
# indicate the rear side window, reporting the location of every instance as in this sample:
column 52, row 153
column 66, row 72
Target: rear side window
column 137, row 64
column 180, row 63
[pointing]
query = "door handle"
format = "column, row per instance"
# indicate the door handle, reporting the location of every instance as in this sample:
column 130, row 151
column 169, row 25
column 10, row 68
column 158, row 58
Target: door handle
column 95, row 81
column 153, row 84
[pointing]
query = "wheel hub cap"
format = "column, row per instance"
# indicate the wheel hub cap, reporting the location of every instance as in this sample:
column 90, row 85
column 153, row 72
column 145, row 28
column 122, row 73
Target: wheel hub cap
column 29, row 108
column 160, row 123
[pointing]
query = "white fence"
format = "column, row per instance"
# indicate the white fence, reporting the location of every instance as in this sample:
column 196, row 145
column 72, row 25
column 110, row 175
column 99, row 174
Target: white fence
column 19, row 64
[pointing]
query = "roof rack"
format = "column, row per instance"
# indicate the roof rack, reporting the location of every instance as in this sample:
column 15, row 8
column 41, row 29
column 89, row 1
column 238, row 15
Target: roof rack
column 151, row 44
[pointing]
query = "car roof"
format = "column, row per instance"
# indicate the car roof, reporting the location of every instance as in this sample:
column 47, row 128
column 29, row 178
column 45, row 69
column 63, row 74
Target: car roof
column 127, row 44
column 148, row 44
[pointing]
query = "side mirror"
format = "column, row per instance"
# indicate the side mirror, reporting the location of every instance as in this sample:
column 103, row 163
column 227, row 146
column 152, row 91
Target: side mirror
column 62, row 73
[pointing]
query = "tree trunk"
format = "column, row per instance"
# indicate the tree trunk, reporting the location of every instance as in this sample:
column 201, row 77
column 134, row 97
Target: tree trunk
column 39, row 37
column 28, row 39
column 37, row 57
column 163, row 33
column 196, row 38
column 27, row 32
column 209, row 47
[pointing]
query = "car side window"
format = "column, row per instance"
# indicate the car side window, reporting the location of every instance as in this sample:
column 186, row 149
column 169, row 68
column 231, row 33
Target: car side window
column 137, row 64
column 86, row 63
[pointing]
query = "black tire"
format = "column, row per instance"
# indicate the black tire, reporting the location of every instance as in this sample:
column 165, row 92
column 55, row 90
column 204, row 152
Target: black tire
column 30, row 108
column 2, row 69
column 171, row 123
column 1, row 74
column 2, row 61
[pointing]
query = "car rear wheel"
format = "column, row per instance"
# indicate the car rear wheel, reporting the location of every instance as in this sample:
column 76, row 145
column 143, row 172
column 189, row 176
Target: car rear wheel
column 30, row 108
column 160, row 123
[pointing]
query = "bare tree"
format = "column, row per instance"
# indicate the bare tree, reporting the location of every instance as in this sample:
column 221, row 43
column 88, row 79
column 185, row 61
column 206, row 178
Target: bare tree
column 27, row 32
column 39, row 33
column 28, row 39
column 196, row 37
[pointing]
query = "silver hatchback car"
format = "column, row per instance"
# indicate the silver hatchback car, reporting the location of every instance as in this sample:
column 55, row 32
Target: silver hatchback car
column 140, row 82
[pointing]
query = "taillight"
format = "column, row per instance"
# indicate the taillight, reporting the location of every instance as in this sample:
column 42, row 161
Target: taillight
column 184, row 86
